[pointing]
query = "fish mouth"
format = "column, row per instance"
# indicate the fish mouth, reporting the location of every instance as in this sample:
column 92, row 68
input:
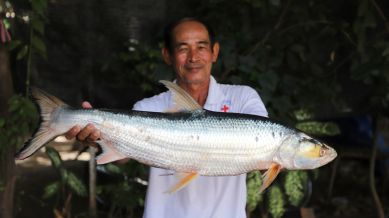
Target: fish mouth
column 331, row 155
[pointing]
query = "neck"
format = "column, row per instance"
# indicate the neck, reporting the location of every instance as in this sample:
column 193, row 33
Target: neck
column 198, row 91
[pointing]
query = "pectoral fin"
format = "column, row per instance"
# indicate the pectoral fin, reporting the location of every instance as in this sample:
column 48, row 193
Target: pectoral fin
column 269, row 176
column 186, row 178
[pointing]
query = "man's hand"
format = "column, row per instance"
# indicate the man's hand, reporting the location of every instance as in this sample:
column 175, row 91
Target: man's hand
column 88, row 134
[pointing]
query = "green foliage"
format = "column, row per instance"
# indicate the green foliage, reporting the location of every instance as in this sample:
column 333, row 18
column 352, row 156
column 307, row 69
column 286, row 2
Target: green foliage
column 30, row 29
column 295, row 181
column 55, row 159
column 63, row 188
column 127, row 192
column 68, row 179
column 319, row 128
column 51, row 189
column 276, row 202
column 19, row 124
column 254, row 182
column 76, row 185
column 137, row 66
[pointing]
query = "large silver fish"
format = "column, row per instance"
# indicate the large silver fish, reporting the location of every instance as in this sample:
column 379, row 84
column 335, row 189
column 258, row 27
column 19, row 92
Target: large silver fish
column 192, row 142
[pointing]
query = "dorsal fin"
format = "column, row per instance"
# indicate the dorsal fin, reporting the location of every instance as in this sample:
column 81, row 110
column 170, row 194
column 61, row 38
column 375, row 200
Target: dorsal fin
column 181, row 98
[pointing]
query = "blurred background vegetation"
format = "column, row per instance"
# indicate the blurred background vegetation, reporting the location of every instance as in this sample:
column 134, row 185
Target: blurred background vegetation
column 312, row 62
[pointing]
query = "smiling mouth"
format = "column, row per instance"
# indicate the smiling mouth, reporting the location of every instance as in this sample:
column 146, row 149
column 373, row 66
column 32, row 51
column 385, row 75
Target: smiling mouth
column 193, row 69
column 194, row 66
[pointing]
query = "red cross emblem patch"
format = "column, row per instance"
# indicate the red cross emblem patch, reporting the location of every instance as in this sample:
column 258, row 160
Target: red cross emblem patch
column 225, row 106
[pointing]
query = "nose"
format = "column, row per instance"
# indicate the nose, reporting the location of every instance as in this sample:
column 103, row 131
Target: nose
column 193, row 55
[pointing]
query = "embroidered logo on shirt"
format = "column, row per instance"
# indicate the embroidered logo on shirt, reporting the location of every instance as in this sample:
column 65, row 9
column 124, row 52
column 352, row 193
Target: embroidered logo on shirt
column 226, row 106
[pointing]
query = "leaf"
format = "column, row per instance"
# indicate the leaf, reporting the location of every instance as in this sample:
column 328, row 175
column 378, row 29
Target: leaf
column 302, row 114
column 38, row 25
column 295, row 181
column 51, row 189
column 2, row 122
column 276, row 202
column 37, row 43
column 113, row 168
column 64, row 174
column 254, row 183
column 22, row 53
column 7, row 23
column 319, row 128
column 76, row 185
column 38, row 7
column 54, row 157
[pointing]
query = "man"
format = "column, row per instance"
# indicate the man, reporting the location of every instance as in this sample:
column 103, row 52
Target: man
column 191, row 49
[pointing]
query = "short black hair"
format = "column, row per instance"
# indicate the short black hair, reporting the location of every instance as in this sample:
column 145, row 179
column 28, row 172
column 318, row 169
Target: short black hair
column 168, row 31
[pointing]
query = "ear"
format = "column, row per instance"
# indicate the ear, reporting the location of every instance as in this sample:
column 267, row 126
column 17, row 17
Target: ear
column 215, row 51
column 166, row 56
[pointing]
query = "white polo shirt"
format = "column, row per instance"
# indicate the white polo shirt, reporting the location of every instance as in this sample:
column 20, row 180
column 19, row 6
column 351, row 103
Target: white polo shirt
column 213, row 197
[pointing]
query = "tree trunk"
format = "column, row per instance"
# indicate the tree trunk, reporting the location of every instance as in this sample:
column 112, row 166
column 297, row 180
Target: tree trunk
column 7, row 163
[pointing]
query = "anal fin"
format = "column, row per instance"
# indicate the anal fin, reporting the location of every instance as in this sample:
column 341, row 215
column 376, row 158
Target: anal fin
column 184, row 181
column 109, row 154
column 269, row 176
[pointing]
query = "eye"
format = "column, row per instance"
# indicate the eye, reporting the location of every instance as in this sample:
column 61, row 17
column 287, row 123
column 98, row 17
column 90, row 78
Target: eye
column 182, row 49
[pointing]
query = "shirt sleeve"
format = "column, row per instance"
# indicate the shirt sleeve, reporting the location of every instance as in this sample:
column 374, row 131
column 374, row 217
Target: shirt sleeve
column 139, row 106
column 253, row 103
column 157, row 103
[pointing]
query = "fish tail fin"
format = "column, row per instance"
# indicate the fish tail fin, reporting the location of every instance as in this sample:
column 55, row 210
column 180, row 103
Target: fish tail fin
column 47, row 105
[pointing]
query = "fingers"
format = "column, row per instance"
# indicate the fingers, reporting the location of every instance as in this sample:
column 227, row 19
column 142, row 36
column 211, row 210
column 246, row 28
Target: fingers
column 86, row 104
column 89, row 133
column 72, row 132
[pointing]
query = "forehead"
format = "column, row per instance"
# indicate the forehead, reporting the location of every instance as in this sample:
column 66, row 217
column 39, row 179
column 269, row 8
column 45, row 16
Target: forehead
column 189, row 31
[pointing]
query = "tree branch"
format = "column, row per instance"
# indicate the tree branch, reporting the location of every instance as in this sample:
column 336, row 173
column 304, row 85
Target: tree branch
column 382, row 15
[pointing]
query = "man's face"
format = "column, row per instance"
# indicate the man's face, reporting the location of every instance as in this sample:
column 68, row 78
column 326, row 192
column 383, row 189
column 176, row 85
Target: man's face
column 192, row 55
